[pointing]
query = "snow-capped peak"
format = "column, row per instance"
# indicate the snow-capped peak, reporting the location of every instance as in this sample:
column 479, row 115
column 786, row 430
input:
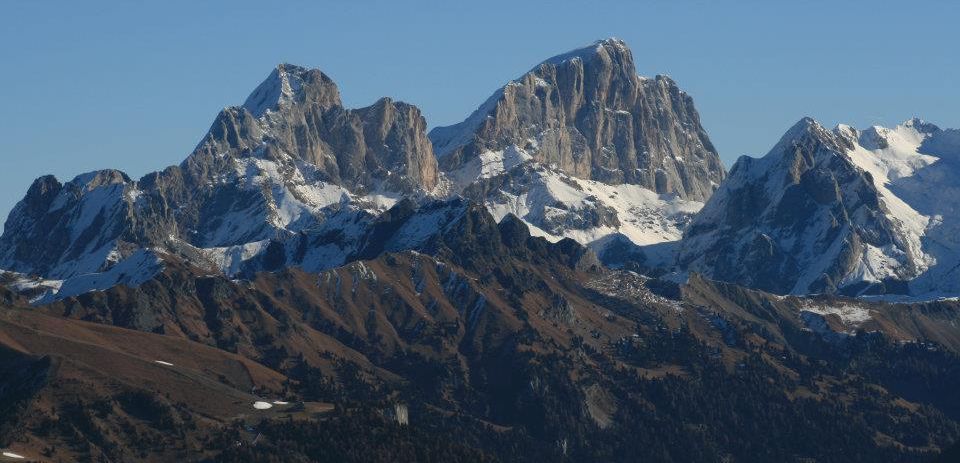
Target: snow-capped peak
column 832, row 210
column 805, row 127
column 921, row 126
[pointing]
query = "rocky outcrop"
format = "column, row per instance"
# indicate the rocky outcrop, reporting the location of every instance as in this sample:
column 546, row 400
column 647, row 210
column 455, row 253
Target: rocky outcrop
column 297, row 112
column 589, row 113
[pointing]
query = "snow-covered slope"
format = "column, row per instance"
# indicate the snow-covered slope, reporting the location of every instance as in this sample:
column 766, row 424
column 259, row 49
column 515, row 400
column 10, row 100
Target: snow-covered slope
column 933, row 191
column 556, row 205
column 889, row 155
column 834, row 210
column 62, row 230
column 132, row 271
column 350, row 235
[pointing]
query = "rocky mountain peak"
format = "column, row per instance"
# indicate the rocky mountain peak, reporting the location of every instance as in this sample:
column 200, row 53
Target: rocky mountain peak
column 807, row 130
column 810, row 138
column 610, row 53
column 806, row 126
column 588, row 113
column 42, row 192
column 823, row 211
column 296, row 115
column 921, row 126
column 282, row 162
column 290, row 84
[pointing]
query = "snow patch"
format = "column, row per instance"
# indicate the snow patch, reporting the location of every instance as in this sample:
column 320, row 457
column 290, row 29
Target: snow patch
column 849, row 314
column 555, row 205
column 133, row 271
column 488, row 164
column 229, row 259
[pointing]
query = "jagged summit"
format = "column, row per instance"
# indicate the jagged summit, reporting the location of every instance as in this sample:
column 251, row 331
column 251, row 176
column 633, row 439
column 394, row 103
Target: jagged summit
column 921, row 125
column 582, row 147
column 284, row 161
column 807, row 131
column 288, row 84
column 612, row 47
column 297, row 113
column 806, row 124
column 902, row 142
column 590, row 115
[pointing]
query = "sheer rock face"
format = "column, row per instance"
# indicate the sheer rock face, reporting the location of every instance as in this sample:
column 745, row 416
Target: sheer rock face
column 805, row 219
column 297, row 112
column 278, row 164
column 589, row 113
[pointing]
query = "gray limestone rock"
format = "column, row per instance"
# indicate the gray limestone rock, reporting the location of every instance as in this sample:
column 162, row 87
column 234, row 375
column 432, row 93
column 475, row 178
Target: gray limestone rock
column 589, row 113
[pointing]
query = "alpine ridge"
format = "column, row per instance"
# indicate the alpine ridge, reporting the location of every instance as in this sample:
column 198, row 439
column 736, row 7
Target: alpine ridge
column 283, row 162
column 292, row 167
column 835, row 210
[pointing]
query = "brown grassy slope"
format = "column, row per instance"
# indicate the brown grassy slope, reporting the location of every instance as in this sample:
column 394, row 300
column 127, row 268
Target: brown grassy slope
column 80, row 389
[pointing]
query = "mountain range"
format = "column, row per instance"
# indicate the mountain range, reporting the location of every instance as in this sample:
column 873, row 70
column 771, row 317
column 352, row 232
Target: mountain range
column 569, row 265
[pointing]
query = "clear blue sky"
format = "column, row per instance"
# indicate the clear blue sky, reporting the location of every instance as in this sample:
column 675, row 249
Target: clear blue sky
column 134, row 86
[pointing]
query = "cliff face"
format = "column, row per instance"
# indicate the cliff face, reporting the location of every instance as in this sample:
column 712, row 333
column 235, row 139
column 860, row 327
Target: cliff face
column 298, row 112
column 588, row 113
